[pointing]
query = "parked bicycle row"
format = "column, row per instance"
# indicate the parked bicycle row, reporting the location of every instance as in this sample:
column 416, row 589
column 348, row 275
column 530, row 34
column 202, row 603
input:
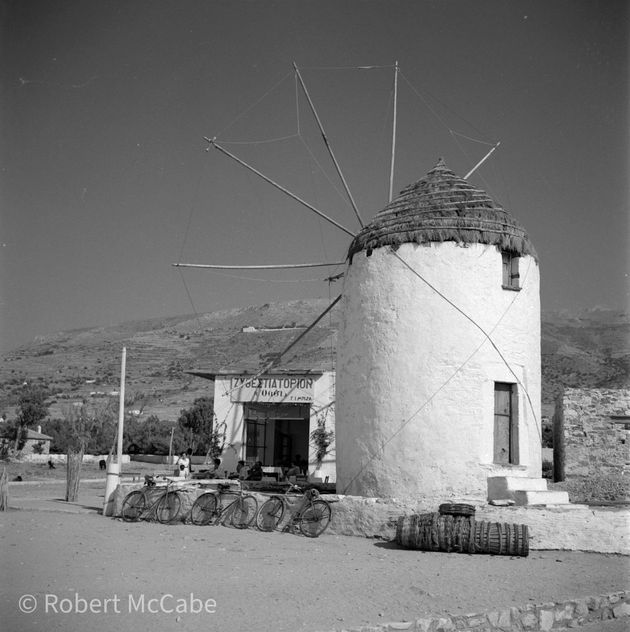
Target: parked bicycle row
column 305, row 510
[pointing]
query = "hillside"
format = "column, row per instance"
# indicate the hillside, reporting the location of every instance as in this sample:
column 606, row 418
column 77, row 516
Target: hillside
column 590, row 349
column 85, row 364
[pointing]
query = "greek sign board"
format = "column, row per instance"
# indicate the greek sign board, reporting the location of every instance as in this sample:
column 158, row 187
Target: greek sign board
column 288, row 389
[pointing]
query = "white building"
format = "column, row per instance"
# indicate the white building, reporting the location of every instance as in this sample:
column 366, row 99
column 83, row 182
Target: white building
column 270, row 417
column 438, row 368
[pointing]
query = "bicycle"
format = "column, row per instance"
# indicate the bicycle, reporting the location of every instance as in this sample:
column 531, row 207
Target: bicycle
column 225, row 506
column 138, row 504
column 312, row 514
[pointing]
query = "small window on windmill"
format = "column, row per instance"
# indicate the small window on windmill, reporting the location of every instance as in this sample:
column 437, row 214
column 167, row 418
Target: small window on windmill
column 510, row 271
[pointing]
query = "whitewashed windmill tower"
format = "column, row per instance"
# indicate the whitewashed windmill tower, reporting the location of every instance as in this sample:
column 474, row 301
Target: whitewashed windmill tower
column 438, row 371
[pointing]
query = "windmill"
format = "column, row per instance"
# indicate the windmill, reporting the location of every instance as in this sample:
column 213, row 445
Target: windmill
column 426, row 368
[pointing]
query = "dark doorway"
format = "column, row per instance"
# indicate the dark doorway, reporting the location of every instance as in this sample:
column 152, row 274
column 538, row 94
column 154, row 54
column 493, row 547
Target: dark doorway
column 276, row 433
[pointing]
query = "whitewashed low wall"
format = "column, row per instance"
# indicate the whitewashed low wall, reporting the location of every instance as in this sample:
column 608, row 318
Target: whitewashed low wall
column 165, row 460
column 61, row 458
column 560, row 527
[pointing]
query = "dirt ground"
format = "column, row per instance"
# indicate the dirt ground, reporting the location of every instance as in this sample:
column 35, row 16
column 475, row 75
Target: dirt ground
column 222, row 579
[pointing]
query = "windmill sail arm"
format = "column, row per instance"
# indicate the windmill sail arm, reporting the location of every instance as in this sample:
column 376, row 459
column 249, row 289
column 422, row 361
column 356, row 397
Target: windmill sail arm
column 216, row 145
column 256, row 267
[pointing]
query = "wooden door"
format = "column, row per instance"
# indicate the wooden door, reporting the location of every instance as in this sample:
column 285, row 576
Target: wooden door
column 505, row 423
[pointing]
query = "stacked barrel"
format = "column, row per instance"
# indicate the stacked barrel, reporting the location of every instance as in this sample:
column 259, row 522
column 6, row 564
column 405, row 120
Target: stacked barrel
column 454, row 529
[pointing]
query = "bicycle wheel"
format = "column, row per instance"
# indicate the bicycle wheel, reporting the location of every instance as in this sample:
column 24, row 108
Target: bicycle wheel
column 227, row 504
column 270, row 514
column 133, row 506
column 204, row 509
column 315, row 518
column 244, row 511
column 168, row 507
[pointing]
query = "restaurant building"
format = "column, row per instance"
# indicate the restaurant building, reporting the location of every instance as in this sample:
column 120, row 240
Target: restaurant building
column 271, row 417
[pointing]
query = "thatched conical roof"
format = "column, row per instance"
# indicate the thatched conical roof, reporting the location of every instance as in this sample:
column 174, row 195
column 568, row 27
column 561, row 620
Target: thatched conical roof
column 443, row 207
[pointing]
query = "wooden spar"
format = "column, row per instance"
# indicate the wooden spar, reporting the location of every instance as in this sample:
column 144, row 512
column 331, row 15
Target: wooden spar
column 271, row 364
column 170, row 447
column 121, row 410
column 262, row 267
column 328, row 145
column 214, row 143
column 391, row 168
column 114, row 466
column 481, row 162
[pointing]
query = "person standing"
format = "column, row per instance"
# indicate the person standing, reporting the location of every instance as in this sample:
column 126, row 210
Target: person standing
column 183, row 464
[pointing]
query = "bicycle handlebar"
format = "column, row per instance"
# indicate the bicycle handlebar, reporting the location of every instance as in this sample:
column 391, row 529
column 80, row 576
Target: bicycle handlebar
column 293, row 486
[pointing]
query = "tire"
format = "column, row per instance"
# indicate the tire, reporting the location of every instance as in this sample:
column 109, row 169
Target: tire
column 315, row 518
column 168, row 508
column 134, row 506
column 244, row 511
column 270, row 514
column 204, row 509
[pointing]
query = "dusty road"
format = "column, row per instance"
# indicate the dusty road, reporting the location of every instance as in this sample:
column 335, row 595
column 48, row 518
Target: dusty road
column 223, row 579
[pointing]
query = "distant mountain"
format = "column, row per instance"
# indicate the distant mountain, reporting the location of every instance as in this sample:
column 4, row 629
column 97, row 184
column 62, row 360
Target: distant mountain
column 590, row 349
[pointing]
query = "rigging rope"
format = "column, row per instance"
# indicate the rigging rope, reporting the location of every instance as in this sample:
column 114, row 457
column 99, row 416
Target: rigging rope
column 343, row 198
column 258, row 142
column 245, row 278
column 253, row 105
column 474, row 140
column 477, row 325
column 345, row 67
column 185, row 239
column 486, row 185
column 444, row 105
column 278, row 356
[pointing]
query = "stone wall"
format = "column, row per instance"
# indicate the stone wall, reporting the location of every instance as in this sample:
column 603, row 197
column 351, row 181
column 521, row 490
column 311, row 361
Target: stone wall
column 35, row 447
column 534, row 617
column 589, row 443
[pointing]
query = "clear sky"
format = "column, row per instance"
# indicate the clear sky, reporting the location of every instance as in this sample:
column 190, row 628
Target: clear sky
column 106, row 181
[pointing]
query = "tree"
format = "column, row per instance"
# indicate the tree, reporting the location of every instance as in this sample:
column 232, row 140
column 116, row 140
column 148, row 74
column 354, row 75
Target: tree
column 321, row 438
column 153, row 436
column 59, row 430
column 31, row 409
column 101, row 429
column 81, row 427
column 198, row 425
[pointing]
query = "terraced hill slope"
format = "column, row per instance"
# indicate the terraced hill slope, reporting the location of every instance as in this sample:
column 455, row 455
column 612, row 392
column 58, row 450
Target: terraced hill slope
column 85, row 364
column 590, row 349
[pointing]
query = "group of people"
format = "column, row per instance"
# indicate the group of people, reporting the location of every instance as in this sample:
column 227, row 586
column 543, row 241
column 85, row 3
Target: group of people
column 183, row 466
column 244, row 472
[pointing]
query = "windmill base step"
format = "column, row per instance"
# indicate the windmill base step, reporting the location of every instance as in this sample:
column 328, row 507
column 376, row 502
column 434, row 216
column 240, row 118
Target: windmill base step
column 524, row 491
column 523, row 497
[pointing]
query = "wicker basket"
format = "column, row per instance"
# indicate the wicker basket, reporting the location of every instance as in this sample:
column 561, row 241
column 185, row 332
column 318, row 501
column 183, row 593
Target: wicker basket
column 461, row 534
column 436, row 532
column 457, row 509
column 501, row 538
